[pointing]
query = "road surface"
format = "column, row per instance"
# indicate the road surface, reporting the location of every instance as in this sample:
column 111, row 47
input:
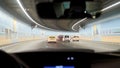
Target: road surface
column 42, row 44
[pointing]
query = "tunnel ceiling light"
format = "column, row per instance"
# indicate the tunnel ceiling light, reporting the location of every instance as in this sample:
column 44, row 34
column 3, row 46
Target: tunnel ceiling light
column 78, row 23
column 24, row 10
column 111, row 6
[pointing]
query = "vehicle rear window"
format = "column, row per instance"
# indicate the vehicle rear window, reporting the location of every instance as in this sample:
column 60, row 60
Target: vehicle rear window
column 52, row 37
column 66, row 36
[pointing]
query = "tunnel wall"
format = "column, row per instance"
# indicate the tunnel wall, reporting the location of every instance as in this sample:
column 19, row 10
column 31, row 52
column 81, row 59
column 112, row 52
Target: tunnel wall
column 105, row 30
column 13, row 30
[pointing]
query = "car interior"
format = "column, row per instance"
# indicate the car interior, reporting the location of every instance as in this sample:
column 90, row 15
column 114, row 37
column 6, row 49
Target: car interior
column 59, row 58
column 63, row 57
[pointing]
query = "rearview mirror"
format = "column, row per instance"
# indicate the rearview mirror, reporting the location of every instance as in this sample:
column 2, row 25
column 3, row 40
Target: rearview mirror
column 63, row 9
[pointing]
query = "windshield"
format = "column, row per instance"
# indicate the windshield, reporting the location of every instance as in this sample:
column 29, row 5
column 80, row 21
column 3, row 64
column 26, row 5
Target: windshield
column 22, row 29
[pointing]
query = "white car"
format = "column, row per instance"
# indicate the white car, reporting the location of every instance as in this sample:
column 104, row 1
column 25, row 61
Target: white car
column 66, row 38
column 75, row 38
column 52, row 39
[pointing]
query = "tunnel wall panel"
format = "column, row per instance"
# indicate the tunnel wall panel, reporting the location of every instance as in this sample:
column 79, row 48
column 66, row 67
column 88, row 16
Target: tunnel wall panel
column 107, row 30
column 13, row 30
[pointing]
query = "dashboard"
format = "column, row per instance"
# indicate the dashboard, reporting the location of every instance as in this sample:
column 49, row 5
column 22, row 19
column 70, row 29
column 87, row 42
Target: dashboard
column 66, row 59
column 56, row 60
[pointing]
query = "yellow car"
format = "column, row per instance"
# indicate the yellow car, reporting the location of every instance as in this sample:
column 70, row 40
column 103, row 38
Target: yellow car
column 52, row 39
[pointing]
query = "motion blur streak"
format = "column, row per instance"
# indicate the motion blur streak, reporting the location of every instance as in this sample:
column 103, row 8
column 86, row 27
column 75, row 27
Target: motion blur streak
column 111, row 6
column 78, row 23
column 28, row 15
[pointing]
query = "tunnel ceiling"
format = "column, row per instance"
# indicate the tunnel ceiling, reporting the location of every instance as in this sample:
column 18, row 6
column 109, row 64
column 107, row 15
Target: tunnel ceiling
column 30, row 7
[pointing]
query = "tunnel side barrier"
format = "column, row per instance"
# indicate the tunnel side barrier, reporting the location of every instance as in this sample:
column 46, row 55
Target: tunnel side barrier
column 5, row 41
column 111, row 39
column 85, row 38
column 114, row 39
column 28, row 38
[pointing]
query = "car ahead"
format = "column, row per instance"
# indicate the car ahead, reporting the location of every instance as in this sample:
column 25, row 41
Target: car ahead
column 66, row 38
column 75, row 38
column 52, row 39
column 60, row 38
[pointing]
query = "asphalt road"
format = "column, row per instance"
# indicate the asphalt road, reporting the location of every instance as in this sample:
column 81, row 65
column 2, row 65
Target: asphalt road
column 42, row 44
column 32, row 45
